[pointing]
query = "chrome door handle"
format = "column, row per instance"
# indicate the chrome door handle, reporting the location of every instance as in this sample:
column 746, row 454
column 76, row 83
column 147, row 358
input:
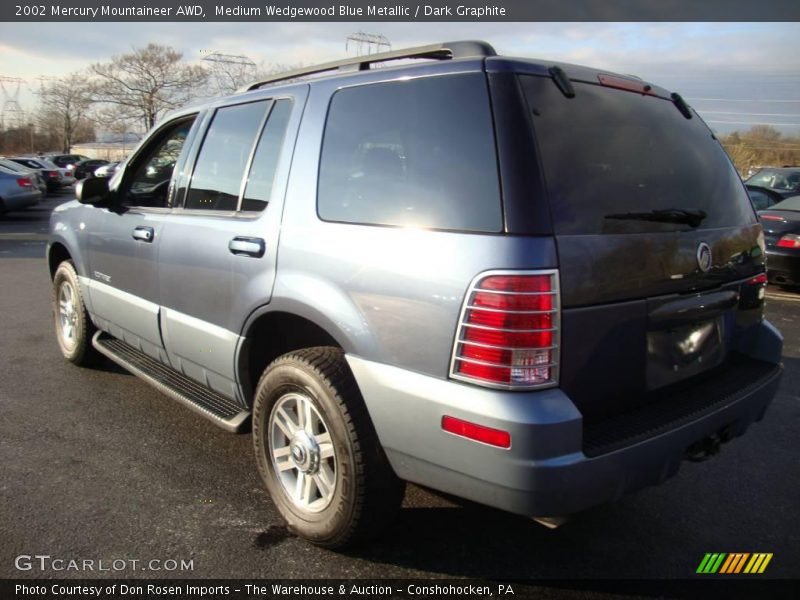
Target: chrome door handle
column 144, row 234
column 247, row 246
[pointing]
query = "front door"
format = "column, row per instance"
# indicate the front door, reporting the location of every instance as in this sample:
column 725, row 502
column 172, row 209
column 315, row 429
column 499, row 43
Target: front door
column 124, row 240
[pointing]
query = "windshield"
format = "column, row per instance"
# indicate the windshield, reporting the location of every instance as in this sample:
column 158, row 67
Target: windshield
column 619, row 162
column 777, row 179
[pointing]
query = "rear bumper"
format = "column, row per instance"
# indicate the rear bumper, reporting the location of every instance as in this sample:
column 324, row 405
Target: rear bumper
column 21, row 201
column 783, row 267
column 547, row 471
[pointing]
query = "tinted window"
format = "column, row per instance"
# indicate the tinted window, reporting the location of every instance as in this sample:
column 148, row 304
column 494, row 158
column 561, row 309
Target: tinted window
column 262, row 172
column 760, row 199
column 609, row 152
column 218, row 172
column 414, row 153
column 31, row 164
column 153, row 170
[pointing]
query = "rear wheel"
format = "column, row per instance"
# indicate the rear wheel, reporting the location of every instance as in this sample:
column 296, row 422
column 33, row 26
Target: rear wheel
column 317, row 451
column 74, row 327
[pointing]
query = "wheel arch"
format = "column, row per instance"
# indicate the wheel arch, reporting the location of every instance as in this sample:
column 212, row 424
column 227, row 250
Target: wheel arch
column 269, row 334
column 57, row 253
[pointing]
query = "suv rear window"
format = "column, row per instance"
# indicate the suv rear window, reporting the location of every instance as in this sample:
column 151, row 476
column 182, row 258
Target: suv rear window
column 416, row 153
column 608, row 152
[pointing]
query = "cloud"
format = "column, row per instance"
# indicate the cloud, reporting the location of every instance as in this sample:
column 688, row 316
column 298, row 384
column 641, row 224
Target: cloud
column 715, row 60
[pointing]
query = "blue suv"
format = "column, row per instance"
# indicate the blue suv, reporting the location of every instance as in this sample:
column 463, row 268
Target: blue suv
column 536, row 286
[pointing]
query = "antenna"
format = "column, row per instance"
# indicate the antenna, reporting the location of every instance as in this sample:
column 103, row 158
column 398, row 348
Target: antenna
column 13, row 117
column 374, row 42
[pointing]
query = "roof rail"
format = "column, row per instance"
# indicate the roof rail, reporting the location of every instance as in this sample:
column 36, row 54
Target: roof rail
column 444, row 51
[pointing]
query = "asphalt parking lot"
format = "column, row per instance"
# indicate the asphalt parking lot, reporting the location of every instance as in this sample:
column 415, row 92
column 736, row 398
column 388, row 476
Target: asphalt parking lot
column 98, row 465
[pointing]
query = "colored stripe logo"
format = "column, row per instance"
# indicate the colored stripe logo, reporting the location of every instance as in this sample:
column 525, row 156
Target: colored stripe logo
column 734, row 563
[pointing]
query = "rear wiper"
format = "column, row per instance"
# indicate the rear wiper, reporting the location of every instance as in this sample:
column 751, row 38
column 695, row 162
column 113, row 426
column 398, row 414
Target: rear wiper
column 693, row 218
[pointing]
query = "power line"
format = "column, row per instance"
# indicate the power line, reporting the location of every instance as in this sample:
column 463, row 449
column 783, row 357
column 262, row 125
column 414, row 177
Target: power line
column 754, row 123
column 747, row 114
column 741, row 100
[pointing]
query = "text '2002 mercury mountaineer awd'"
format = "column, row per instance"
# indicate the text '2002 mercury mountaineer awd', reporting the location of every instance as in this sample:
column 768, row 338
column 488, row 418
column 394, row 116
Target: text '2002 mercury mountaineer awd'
column 536, row 286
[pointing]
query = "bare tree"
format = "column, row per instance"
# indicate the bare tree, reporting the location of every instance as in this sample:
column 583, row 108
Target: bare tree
column 64, row 106
column 143, row 85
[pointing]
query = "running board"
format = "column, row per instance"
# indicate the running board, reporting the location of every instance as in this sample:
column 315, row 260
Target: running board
column 218, row 409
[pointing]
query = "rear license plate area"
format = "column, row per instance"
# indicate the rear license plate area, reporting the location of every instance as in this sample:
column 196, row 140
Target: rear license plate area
column 679, row 352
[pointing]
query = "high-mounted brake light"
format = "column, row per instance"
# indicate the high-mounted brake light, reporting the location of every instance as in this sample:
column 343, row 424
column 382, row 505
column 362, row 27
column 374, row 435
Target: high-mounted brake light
column 508, row 336
column 629, row 85
column 790, row 240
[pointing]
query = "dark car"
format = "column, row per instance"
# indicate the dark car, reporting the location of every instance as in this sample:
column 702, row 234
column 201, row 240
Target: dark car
column 762, row 198
column 530, row 285
column 66, row 161
column 784, row 180
column 107, row 170
column 86, row 168
column 782, row 234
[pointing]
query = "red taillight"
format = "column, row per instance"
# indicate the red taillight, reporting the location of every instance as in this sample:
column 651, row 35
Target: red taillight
column 789, row 240
column 52, row 174
column 24, row 182
column 757, row 280
column 508, row 334
column 770, row 217
column 479, row 433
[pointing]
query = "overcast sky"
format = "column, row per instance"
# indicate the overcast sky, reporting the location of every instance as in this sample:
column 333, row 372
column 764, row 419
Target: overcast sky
column 736, row 73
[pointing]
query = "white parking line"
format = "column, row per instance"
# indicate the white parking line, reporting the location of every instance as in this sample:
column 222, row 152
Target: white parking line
column 779, row 296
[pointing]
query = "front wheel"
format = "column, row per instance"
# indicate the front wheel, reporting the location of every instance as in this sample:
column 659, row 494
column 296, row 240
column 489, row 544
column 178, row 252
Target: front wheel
column 74, row 327
column 318, row 453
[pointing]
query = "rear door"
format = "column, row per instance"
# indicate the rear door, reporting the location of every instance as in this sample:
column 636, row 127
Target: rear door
column 653, row 228
column 219, row 247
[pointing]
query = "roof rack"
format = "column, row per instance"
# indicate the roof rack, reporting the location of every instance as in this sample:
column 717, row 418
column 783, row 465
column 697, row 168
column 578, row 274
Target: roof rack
column 444, row 51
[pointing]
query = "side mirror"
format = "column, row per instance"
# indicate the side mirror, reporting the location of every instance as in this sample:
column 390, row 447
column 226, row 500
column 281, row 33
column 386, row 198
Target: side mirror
column 92, row 190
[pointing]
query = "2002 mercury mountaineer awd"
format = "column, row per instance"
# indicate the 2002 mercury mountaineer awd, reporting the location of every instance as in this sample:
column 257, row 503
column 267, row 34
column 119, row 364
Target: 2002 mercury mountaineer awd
column 536, row 286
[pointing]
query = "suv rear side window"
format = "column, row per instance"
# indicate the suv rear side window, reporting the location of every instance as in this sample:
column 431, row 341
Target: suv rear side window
column 258, row 189
column 218, row 172
column 608, row 152
column 416, row 153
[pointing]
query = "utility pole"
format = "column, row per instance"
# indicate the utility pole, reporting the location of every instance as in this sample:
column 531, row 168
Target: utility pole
column 230, row 71
column 12, row 116
column 371, row 42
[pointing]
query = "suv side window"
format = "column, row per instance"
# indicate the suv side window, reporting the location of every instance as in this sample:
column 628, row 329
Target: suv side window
column 227, row 147
column 417, row 153
column 149, row 185
column 258, row 188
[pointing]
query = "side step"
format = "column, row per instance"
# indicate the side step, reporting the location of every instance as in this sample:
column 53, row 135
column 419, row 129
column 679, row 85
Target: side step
column 218, row 409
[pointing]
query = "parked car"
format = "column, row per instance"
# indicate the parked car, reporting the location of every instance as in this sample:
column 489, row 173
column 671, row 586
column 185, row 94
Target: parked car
column 86, row 168
column 37, row 177
column 65, row 161
column 784, row 181
column 17, row 191
column 782, row 234
column 107, row 170
column 761, row 197
column 52, row 175
column 466, row 273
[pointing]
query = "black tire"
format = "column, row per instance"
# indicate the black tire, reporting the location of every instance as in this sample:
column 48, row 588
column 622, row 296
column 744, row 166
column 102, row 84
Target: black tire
column 79, row 349
column 367, row 494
